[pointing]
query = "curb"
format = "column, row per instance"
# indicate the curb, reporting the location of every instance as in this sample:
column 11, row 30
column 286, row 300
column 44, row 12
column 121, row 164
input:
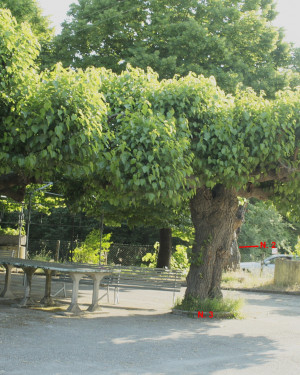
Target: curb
column 259, row 290
column 194, row 314
column 263, row 291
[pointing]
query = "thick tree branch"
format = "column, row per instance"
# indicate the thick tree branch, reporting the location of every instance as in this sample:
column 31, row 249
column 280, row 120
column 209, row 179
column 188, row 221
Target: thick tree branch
column 11, row 180
column 15, row 194
column 282, row 174
column 253, row 191
column 271, row 176
column 14, row 185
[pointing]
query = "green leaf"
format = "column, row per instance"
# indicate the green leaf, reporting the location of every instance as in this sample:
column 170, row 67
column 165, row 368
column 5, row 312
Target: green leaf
column 35, row 129
column 151, row 197
column 145, row 169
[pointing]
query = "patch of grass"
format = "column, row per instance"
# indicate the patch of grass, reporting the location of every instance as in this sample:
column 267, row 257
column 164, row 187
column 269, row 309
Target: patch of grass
column 254, row 280
column 242, row 279
column 217, row 305
column 281, row 288
column 228, row 277
column 42, row 256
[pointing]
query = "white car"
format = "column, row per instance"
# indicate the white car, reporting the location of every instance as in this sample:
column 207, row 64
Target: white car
column 268, row 264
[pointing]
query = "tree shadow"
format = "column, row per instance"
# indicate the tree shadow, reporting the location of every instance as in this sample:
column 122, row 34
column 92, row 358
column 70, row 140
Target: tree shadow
column 285, row 305
column 145, row 344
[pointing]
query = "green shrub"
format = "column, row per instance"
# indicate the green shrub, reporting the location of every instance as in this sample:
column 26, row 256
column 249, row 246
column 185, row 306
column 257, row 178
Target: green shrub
column 11, row 232
column 179, row 259
column 297, row 248
column 150, row 259
column 89, row 251
column 44, row 256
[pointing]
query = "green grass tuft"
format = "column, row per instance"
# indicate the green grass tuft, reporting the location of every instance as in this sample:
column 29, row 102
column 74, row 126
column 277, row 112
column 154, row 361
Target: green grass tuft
column 223, row 305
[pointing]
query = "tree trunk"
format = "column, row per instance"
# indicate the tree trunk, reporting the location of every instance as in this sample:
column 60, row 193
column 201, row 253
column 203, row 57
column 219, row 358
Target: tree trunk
column 235, row 255
column 165, row 248
column 213, row 215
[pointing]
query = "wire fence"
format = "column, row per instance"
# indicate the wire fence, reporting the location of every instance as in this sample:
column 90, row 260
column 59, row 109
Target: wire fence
column 128, row 254
column 125, row 254
column 55, row 249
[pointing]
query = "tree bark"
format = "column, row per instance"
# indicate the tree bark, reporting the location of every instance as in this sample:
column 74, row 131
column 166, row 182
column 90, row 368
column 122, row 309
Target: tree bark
column 235, row 256
column 213, row 213
column 165, row 248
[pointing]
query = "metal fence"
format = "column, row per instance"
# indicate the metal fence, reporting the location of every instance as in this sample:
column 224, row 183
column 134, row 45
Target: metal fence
column 128, row 255
column 125, row 254
column 55, row 249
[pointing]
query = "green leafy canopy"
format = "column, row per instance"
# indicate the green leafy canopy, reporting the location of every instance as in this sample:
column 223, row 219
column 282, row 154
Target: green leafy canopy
column 131, row 138
column 51, row 122
column 169, row 137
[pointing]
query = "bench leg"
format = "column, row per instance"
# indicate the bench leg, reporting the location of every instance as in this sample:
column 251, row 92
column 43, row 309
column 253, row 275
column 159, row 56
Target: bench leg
column 116, row 295
column 74, row 307
column 27, row 300
column 6, row 292
column 47, row 299
column 96, row 279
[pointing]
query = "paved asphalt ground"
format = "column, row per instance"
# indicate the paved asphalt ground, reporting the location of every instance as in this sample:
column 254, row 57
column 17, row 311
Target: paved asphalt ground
column 140, row 336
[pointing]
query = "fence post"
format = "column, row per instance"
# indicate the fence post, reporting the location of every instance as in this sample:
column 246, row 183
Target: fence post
column 21, row 217
column 28, row 226
column 101, row 236
column 57, row 250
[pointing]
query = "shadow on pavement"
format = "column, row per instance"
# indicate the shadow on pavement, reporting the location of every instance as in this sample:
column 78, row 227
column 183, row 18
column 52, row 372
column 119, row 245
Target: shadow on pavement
column 135, row 344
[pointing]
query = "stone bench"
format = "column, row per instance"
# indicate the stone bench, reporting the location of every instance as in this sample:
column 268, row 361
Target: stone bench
column 75, row 272
column 133, row 277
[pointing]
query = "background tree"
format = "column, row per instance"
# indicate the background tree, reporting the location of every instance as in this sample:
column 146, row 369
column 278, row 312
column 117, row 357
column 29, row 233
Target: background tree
column 29, row 11
column 263, row 223
column 232, row 40
column 295, row 60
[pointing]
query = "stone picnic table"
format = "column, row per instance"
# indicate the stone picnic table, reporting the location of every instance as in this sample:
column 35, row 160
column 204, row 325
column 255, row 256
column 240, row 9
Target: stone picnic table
column 75, row 271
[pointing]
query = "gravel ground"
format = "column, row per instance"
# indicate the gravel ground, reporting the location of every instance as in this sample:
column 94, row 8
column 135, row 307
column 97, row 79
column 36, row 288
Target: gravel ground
column 140, row 336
